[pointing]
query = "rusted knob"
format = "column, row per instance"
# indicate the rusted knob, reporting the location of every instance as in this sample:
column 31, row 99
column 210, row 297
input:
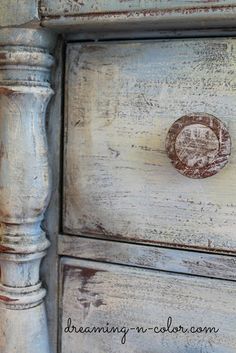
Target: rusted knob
column 198, row 145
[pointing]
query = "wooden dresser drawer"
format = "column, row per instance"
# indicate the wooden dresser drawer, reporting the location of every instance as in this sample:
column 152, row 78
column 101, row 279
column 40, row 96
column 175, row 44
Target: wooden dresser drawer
column 118, row 176
column 121, row 100
column 103, row 296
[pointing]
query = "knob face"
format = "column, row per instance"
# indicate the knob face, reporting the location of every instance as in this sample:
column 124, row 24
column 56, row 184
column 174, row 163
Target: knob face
column 198, row 145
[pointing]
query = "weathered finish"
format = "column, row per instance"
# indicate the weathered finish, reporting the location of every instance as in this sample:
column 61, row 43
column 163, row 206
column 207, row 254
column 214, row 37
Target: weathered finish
column 49, row 269
column 121, row 99
column 25, row 330
column 154, row 34
column 24, row 187
column 135, row 15
column 172, row 260
column 92, row 7
column 97, row 294
column 198, row 145
column 18, row 13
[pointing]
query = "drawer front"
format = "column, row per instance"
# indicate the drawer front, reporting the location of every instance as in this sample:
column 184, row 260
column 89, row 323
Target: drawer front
column 148, row 306
column 121, row 100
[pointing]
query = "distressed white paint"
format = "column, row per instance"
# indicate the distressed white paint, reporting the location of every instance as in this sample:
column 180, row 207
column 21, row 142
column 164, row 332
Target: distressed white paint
column 172, row 260
column 70, row 7
column 24, row 187
column 94, row 294
column 121, row 99
column 49, row 269
column 26, row 330
column 136, row 16
column 19, row 13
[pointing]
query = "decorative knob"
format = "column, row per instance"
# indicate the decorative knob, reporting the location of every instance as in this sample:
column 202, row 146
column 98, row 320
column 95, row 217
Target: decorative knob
column 198, row 145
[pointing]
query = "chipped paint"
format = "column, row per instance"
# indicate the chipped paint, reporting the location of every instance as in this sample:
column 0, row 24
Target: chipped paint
column 136, row 296
column 7, row 91
column 6, row 249
column 25, row 188
column 7, row 299
column 132, row 193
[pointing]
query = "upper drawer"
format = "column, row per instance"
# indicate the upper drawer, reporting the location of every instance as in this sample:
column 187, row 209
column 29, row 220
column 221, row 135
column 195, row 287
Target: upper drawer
column 121, row 100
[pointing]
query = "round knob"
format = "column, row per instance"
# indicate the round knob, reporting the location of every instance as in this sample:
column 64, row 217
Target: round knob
column 198, row 145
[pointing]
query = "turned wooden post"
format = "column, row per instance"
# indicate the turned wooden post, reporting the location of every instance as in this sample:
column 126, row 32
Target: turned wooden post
column 25, row 65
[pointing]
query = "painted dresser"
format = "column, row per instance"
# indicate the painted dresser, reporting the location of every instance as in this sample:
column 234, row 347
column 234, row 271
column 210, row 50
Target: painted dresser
column 118, row 164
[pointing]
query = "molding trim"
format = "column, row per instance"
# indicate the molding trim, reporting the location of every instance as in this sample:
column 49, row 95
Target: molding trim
column 120, row 18
column 25, row 186
column 187, row 262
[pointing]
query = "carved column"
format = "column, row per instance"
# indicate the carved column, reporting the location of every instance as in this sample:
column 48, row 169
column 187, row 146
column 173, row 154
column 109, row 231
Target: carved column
column 24, row 187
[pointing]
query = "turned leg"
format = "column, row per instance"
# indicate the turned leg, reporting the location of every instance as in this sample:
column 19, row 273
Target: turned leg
column 25, row 65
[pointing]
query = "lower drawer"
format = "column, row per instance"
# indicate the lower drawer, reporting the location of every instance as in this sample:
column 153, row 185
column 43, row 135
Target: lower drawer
column 109, row 308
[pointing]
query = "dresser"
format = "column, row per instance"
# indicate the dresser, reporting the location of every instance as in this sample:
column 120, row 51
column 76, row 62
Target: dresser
column 117, row 178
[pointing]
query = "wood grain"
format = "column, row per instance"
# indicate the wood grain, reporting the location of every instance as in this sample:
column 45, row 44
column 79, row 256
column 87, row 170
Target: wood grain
column 198, row 145
column 135, row 16
column 72, row 7
column 94, row 294
column 16, row 13
column 121, row 99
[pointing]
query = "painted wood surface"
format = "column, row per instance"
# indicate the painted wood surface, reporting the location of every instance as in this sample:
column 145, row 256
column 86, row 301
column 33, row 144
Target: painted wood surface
column 142, row 34
column 100, row 295
column 198, row 145
column 70, row 7
column 121, row 99
column 134, row 15
column 15, row 13
column 25, row 91
column 172, row 260
column 51, row 223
